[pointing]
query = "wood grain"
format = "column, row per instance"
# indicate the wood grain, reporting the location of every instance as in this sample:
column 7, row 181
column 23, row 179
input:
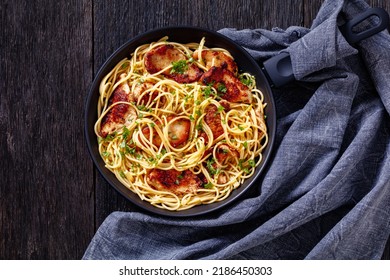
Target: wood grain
column 52, row 200
column 47, row 201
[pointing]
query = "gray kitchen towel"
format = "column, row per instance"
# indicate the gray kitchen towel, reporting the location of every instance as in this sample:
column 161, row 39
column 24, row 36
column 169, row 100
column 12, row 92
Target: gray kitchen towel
column 326, row 191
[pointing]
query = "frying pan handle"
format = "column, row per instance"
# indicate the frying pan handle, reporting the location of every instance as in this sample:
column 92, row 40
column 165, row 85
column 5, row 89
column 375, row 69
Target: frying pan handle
column 353, row 37
column 278, row 69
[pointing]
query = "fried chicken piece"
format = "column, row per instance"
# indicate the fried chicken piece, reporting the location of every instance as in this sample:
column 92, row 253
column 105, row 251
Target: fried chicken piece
column 213, row 120
column 228, row 86
column 166, row 55
column 178, row 132
column 225, row 154
column 178, row 182
column 217, row 59
column 120, row 114
column 139, row 89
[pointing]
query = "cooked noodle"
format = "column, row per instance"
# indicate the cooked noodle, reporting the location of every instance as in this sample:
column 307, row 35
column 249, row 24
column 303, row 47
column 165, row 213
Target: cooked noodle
column 130, row 153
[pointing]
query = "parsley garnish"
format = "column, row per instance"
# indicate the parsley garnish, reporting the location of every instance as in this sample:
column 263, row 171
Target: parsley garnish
column 179, row 66
column 207, row 91
column 245, row 80
column 210, row 167
column 106, row 154
column 222, row 88
column 126, row 133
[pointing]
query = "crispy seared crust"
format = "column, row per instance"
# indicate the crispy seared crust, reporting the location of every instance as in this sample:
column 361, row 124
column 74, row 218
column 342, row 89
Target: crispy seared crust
column 213, row 120
column 217, row 59
column 235, row 90
column 119, row 114
column 163, row 56
column 178, row 182
column 141, row 88
column 225, row 153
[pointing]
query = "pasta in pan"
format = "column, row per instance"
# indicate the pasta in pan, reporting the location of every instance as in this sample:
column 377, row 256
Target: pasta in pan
column 179, row 125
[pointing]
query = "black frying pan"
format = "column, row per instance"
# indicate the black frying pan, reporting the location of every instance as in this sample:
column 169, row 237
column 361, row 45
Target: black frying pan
column 275, row 72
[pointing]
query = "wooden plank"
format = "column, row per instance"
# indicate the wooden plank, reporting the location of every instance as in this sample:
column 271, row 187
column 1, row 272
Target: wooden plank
column 115, row 22
column 47, row 194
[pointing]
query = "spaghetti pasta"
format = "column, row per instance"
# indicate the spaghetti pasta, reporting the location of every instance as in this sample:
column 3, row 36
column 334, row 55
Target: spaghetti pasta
column 179, row 143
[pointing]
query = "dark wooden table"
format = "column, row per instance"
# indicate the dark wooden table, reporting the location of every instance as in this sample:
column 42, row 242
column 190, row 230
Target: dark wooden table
column 52, row 200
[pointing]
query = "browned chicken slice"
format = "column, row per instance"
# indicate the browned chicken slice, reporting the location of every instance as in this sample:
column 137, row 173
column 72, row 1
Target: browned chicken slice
column 225, row 154
column 166, row 55
column 178, row 182
column 213, row 120
column 178, row 132
column 120, row 114
column 139, row 89
column 156, row 139
column 217, row 59
column 228, row 86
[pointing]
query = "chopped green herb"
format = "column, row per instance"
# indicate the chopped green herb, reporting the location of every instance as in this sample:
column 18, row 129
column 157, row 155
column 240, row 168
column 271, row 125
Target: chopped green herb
column 221, row 108
column 110, row 137
column 222, row 88
column 245, row 80
column 179, row 66
column 141, row 107
column 240, row 162
column 246, row 170
column 252, row 163
column 126, row 133
column 106, row 154
column 152, row 160
column 207, row 91
column 138, row 156
column 210, row 167
column 245, row 144
column 122, row 174
column 209, row 185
